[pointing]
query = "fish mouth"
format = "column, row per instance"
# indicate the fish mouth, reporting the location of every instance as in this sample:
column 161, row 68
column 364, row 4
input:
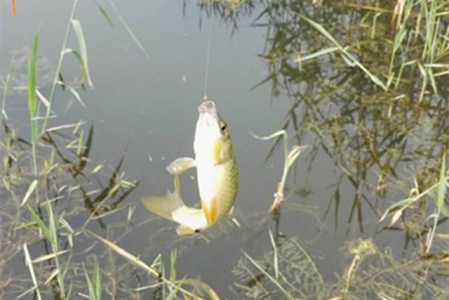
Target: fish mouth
column 207, row 130
column 208, row 115
column 208, row 107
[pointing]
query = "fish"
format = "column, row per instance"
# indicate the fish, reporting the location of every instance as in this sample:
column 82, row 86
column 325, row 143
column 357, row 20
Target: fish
column 217, row 176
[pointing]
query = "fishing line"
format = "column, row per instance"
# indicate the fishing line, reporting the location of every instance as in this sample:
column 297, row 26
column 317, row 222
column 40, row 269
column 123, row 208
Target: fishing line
column 206, row 71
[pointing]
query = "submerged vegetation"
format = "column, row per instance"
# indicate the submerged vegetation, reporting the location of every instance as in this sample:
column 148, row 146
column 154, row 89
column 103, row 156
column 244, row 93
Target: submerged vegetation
column 367, row 91
column 367, row 81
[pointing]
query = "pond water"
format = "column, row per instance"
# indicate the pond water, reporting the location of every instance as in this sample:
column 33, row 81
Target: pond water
column 143, row 107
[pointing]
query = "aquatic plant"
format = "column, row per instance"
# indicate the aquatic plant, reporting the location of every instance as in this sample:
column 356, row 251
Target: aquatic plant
column 290, row 157
column 286, row 272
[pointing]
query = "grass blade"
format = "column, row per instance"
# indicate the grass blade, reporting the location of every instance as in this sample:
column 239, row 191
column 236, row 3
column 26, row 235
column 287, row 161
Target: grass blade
column 265, row 273
column 48, row 256
column 138, row 262
column 29, row 263
column 82, row 51
column 129, row 30
column 30, row 191
column 40, row 224
column 105, row 14
column 98, row 284
column 348, row 57
column 442, row 188
column 94, row 286
column 32, row 105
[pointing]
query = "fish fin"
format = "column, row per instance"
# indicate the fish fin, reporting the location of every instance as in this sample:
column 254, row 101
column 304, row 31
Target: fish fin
column 210, row 209
column 222, row 150
column 183, row 230
column 181, row 165
column 171, row 207
column 163, row 206
column 190, row 217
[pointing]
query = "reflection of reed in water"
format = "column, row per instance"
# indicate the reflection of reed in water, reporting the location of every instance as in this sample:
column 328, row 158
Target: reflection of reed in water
column 331, row 75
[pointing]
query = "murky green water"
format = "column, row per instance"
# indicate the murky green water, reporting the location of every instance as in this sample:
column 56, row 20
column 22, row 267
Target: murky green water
column 366, row 145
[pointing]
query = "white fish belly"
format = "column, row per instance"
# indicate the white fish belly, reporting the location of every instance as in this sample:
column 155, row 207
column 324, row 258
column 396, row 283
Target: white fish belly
column 209, row 177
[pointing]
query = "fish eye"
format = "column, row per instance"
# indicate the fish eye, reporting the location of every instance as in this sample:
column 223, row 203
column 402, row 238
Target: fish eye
column 223, row 126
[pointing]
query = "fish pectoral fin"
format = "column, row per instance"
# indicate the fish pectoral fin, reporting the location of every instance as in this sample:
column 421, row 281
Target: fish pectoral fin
column 222, row 151
column 181, row 165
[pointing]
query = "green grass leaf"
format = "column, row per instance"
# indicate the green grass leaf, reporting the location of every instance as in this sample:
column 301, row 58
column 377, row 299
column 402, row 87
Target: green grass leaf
column 40, row 224
column 82, row 51
column 32, row 105
column 105, row 14
column 350, row 59
column 442, row 189
column 94, row 284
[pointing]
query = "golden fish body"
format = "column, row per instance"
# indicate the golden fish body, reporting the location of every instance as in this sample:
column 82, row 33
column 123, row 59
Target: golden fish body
column 217, row 169
column 217, row 175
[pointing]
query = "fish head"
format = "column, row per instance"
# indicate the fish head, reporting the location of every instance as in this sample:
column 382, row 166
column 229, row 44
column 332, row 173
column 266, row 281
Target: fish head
column 210, row 129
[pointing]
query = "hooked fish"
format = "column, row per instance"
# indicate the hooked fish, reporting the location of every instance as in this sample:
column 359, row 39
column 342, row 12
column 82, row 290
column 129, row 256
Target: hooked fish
column 217, row 176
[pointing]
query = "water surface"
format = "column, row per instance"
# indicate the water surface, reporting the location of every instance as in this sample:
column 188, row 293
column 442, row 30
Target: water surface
column 143, row 108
